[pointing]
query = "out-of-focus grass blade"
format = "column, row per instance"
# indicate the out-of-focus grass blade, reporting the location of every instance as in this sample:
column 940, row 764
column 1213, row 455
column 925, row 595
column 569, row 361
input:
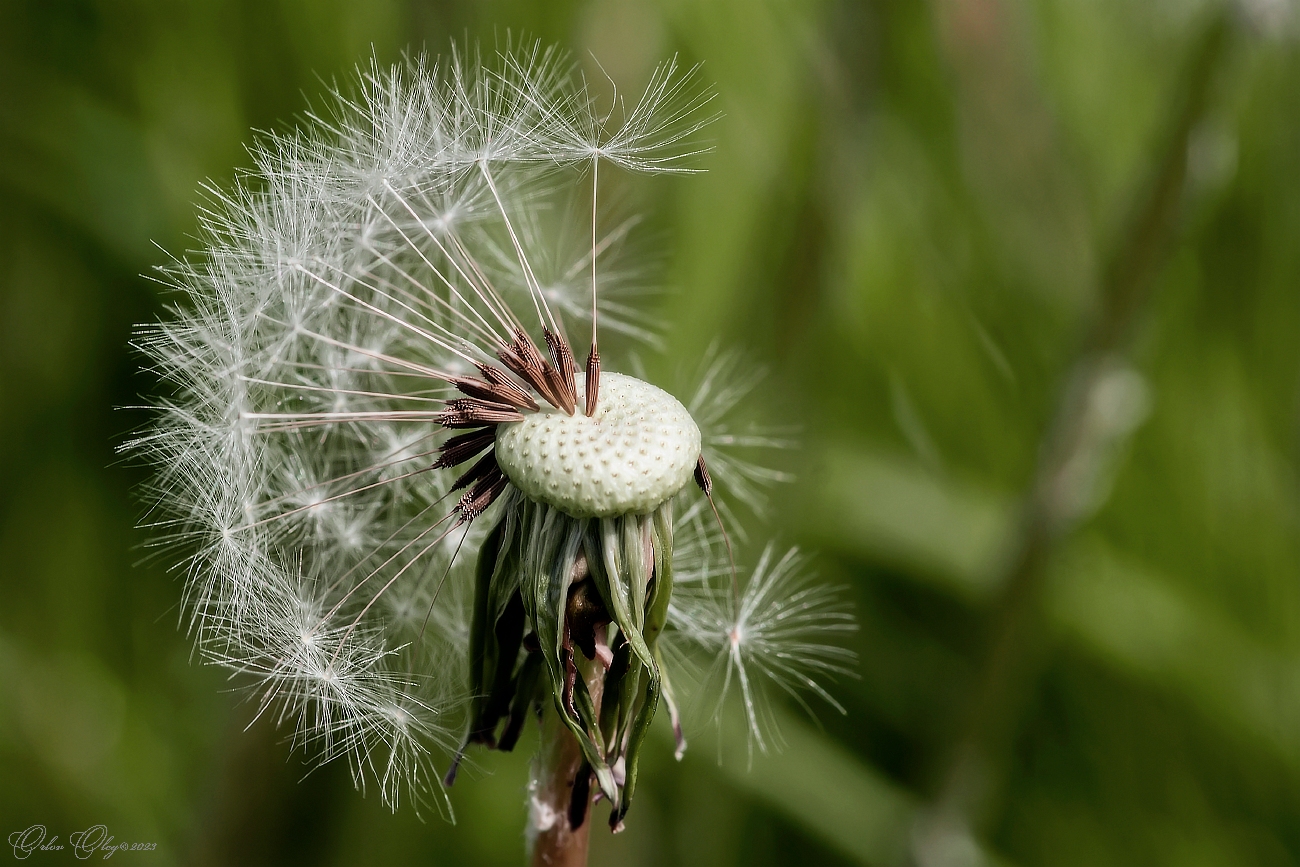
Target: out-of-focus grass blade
column 1126, row 615
column 823, row 788
column 89, row 163
column 1142, row 624
column 889, row 509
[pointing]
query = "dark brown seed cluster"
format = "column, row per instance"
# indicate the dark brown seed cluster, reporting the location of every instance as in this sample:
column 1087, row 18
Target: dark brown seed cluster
column 499, row 398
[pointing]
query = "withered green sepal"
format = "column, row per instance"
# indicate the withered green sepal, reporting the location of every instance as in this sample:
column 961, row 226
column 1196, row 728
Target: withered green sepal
column 529, row 565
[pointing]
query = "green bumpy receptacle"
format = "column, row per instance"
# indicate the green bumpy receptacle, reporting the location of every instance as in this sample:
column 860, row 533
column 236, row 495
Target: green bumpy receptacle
column 635, row 452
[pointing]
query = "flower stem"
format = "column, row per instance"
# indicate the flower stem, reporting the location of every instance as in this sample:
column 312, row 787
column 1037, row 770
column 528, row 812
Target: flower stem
column 553, row 841
column 558, row 821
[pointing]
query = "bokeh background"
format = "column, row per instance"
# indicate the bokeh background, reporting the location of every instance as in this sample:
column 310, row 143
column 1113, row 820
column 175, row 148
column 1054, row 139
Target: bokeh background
column 1026, row 276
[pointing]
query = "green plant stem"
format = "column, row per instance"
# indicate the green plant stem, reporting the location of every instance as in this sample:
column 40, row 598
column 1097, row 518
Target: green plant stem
column 553, row 842
column 555, row 770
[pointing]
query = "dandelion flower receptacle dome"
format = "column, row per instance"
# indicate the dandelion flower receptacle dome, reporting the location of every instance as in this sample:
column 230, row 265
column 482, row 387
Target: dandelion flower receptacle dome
column 638, row 449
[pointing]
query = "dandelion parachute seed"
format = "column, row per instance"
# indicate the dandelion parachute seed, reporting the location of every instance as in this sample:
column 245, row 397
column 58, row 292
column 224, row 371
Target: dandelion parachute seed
column 411, row 517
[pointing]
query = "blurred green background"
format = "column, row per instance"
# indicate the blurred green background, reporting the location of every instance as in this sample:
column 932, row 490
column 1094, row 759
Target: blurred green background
column 1025, row 272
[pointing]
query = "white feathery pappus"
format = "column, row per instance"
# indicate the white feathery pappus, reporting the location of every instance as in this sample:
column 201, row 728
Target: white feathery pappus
column 410, row 514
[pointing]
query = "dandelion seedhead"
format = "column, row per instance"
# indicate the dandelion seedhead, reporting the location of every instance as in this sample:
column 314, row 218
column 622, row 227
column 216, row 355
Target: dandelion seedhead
column 412, row 516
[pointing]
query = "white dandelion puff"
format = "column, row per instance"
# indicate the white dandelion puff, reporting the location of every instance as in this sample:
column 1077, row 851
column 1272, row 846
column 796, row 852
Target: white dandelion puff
column 410, row 514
